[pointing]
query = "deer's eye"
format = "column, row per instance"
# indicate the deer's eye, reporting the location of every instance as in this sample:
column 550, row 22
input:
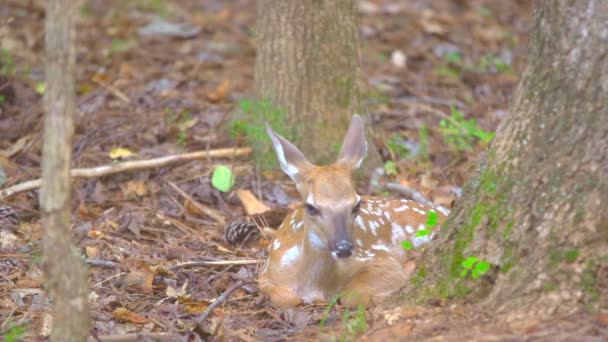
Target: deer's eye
column 311, row 210
column 356, row 208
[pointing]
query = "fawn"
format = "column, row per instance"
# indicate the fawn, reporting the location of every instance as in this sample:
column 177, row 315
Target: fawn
column 338, row 242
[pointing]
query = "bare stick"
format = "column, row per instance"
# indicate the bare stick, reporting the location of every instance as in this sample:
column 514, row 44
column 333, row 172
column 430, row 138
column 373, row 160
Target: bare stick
column 137, row 337
column 131, row 166
column 214, row 214
column 215, row 263
column 221, row 299
column 102, row 263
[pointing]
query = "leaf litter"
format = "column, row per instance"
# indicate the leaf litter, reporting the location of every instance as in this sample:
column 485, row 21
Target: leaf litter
column 162, row 77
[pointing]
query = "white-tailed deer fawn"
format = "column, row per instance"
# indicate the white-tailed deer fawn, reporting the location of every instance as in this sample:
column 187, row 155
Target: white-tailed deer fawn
column 337, row 241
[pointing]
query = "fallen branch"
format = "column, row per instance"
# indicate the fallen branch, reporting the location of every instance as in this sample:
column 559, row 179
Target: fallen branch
column 215, row 263
column 131, row 166
column 147, row 336
column 214, row 214
column 222, row 298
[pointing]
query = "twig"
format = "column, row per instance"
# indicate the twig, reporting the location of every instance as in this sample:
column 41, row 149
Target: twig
column 131, row 166
column 415, row 195
column 431, row 100
column 222, row 298
column 102, row 263
column 214, row 214
column 137, row 337
column 215, row 263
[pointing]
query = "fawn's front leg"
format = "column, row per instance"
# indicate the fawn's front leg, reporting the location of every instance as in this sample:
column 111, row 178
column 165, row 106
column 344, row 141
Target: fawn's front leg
column 375, row 281
column 279, row 295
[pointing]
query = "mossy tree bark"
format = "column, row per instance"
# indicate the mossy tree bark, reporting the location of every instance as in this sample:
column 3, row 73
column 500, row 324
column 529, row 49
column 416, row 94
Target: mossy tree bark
column 64, row 270
column 307, row 64
column 538, row 208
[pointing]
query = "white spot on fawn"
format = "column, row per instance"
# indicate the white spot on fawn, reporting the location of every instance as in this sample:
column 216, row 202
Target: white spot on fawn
column 298, row 225
column 401, row 208
column 373, row 225
column 398, row 235
column 290, row 255
column 276, row 244
column 409, row 229
column 360, row 223
column 387, row 214
column 359, row 243
column 381, row 248
column 421, row 212
column 421, row 240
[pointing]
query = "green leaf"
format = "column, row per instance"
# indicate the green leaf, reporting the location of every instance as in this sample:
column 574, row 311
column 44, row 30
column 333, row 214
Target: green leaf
column 482, row 267
column 469, row 262
column 40, row 88
column 222, row 178
column 407, row 245
column 432, row 218
column 464, row 273
column 390, row 168
column 423, row 232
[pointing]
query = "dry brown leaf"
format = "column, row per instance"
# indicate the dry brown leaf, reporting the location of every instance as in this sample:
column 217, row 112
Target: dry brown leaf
column 32, row 231
column 91, row 251
column 219, row 93
column 29, row 283
column 124, row 315
column 141, row 277
column 135, row 188
column 95, row 234
column 251, row 204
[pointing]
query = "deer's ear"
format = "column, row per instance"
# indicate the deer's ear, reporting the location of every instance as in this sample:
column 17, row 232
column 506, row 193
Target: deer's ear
column 292, row 161
column 354, row 146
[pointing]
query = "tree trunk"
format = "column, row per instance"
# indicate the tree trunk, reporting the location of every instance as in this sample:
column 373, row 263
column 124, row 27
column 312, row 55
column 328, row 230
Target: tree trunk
column 65, row 273
column 307, row 64
column 538, row 208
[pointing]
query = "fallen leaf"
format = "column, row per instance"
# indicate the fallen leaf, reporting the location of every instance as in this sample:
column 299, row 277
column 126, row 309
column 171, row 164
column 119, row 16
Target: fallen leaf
column 219, row 93
column 141, row 277
column 135, row 188
column 222, row 178
column 603, row 319
column 29, row 283
column 95, row 234
column 32, row 230
column 91, row 252
column 120, row 153
column 251, row 204
column 124, row 315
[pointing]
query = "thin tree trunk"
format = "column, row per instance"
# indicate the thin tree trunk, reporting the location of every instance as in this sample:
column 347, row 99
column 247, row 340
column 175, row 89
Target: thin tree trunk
column 538, row 209
column 63, row 266
column 307, row 63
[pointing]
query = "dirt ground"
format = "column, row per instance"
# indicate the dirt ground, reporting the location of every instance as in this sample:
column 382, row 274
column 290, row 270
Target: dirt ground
column 155, row 89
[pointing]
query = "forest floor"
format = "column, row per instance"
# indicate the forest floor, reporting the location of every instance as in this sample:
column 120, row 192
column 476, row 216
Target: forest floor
column 155, row 89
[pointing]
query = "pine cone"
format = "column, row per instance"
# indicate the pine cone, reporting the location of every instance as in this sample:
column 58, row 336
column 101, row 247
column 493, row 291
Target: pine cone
column 8, row 217
column 240, row 231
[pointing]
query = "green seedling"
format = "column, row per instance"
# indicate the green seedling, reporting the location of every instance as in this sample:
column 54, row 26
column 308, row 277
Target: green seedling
column 460, row 134
column 474, row 266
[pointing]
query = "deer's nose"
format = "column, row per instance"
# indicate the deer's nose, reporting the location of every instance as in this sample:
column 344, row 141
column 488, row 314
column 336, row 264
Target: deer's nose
column 344, row 249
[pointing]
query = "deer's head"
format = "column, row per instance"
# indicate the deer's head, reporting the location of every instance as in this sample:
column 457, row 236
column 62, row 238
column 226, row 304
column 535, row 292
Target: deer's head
column 328, row 192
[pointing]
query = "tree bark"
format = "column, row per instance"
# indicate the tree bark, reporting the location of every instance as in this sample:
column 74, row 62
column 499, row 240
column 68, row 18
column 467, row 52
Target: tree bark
column 307, row 64
column 538, row 208
column 63, row 266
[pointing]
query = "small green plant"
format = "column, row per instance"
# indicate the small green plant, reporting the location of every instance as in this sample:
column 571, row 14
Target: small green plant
column 397, row 147
column 183, row 120
column 40, row 88
column 250, row 123
column 460, row 134
column 7, row 64
column 118, row 46
column 448, row 72
column 353, row 320
column 390, row 168
column 452, row 57
column 15, row 333
column 491, row 63
column 474, row 266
